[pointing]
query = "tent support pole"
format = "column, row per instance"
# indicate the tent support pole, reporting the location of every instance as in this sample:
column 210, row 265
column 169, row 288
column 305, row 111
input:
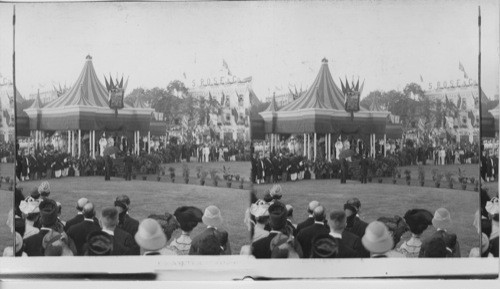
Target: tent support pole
column 79, row 143
column 385, row 145
column 149, row 142
column 315, row 145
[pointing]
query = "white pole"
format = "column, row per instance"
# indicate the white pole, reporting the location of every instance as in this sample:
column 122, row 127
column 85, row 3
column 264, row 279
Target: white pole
column 149, row 142
column 308, row 153
column 326, row 146
column 79, row 143
column 385, row 145
column 315, row 145
column 304, row 147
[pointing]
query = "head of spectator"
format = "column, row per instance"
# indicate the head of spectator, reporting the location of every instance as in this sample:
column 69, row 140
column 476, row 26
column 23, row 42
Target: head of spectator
column 352, row 207
column 109, row 218
column 122, row 204
column 56, row 244
column 18, row 197
column 337, row 221
column 289, row 210
column 168, row 223
column 324, row 246
column 312, row 205
column 80, row 203
column 418, row 220
column 88, row 211
column 48, row 213
column 150, row 236
column 188, row 217
column 377, row 239
column 319, row 214
column 212, row 217
column 277, row 216
column 436, row 248
column 35, row 194
column 442, row 219
column 396, row 226
column 209, row 245
column 260, row 213
column 9, row 252
column 276, row 192
column 99, row 243
column 44, row 189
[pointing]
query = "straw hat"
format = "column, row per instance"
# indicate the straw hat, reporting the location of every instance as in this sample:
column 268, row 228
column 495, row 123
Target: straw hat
column 44, row 188
column 377, row 238
column 150, row 235
column 442, row 219
column 212, row 217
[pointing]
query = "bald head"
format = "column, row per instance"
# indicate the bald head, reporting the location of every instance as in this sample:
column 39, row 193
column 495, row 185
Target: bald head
column 80, row 203
column 319, row 214
column 88, row 210
column 312, row 206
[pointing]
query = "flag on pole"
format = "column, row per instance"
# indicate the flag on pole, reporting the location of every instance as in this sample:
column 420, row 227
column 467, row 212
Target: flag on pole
column 224, row 63
column 184, row 74
column 461, row 67
column 421, row 79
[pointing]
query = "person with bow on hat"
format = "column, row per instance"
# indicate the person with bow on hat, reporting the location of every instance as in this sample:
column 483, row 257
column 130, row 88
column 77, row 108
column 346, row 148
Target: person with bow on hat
column 30, row 209
column 305, row 236
column 418, row 220
column 151, row 239
column 354, row 224
column 79, row 215
column 188, row 218
column 397, row 227
column 442, row 222
column 127, row 223
column 44, row 190
column 212, row 218
column 79, row 232
column 123, row 242
column 261, row 216
column 48, row 218
column 349, row 244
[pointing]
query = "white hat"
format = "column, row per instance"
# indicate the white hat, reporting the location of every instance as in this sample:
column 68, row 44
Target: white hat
column 150, row 236
column 442, row 219
column 212, row 217
column 29, row 206
column 377, row 238
column 492, row 206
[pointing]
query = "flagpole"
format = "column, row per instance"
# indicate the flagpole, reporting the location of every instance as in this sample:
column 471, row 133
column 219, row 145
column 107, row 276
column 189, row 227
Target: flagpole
column 480, row 118
column 15, row 105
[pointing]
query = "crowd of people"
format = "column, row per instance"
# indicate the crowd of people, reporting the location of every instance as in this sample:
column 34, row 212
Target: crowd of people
column 342, row 233
column 7, row 152
column 40, row 231
column 277, row 168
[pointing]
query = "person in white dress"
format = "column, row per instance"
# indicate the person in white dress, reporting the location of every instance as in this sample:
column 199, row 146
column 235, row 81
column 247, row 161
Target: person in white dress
column 102, row 144
column 338, row 148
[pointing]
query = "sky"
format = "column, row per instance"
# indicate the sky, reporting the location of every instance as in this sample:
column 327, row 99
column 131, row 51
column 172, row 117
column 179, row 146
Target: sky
column 280, row 44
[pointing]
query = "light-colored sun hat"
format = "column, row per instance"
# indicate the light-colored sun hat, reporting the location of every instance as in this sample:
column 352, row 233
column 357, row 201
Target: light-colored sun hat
column 377, row 238
column 212, row 217
column 150, row 235
column 442, row 219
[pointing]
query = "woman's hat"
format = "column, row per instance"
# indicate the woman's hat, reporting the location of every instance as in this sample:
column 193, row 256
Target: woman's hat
column 377, row 238
column 396, row 225
column 44, row 188
column 276, row 192
column 48, row 212
column 442, row 219
column 212, row 217
column 418, row 220
column 277, row 216
column 167, row 222
column 259, row 210
column 29, row 206
column 150, row 235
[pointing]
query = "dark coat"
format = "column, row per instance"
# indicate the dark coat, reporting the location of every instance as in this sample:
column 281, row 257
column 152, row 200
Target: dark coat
column 345, row 251
column 79, row 233
column 494, row 246
column 308, row 222
column 449, row 239
column 260, row 169
column 219, row 234
column 356, row 226
column 77, row 219
column 305, row 237
column 352, row 241
column 124, row 243
column 128, row 224
column 261, row 249
column 33, row 244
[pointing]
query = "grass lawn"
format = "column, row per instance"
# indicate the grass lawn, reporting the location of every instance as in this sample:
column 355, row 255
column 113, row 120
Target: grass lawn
column 385, row 200
column 148, row 197
column 6, row 202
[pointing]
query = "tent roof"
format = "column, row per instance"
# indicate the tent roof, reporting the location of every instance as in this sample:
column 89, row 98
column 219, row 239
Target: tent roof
column 87, row 90
column 272, row 106
column 323, row 93
column 37, row 103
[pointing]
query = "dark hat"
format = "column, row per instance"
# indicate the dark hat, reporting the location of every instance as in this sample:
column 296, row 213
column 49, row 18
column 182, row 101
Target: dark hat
column 277, row 216
column 436, row 248
column 396, row 226
column 121, row 205
column 35, row 194
column 99, row 244
column 418, row 220
column 188, row 217
column 350, row 208
column 324, row 246
column 48, row 212
column 167, row 222
column 267, row 197
column 209, row 245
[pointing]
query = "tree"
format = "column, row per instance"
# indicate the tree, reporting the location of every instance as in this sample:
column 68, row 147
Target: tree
column 176, row 87
column 378, row 95
column 132, row 96
column 413, row 88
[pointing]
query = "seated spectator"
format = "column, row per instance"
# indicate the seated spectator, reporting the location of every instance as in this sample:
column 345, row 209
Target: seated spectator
column 418, row 220
column 324, row 246
column 123, row 242
column 349, row 244
column 9, row 252
column 310, row 219
column 127, row 223
column 44, row 190
column 354, row 224
column 442, row 222
column 261, row 214
column 79, row 232
column 305, row 236
column 58, row 244
column 188, row 218
column 48, row 218
column 435, row 248
column 151, row 239
column 485, row 248
column 212, row 218
column 99, row 243
column 79, row 215
column 377, row 240
column 397, row 227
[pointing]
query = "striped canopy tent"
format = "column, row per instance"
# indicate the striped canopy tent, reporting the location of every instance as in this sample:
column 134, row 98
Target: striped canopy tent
column 321, row 110
column 85, row 107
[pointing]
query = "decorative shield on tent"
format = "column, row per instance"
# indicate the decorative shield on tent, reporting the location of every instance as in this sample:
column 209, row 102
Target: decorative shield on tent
column 116, row 98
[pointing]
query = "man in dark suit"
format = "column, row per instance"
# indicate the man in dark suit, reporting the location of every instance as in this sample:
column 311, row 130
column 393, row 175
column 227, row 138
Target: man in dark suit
column 128, row 166
column 261, row 248
column 310, row 220
column 48, row 218
column 261, row 168
column 306, row 235
column 80, row 231
column 125, row 222
column 123, row 242
column 354, row 224
column 79, row 215
column 349, row 244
